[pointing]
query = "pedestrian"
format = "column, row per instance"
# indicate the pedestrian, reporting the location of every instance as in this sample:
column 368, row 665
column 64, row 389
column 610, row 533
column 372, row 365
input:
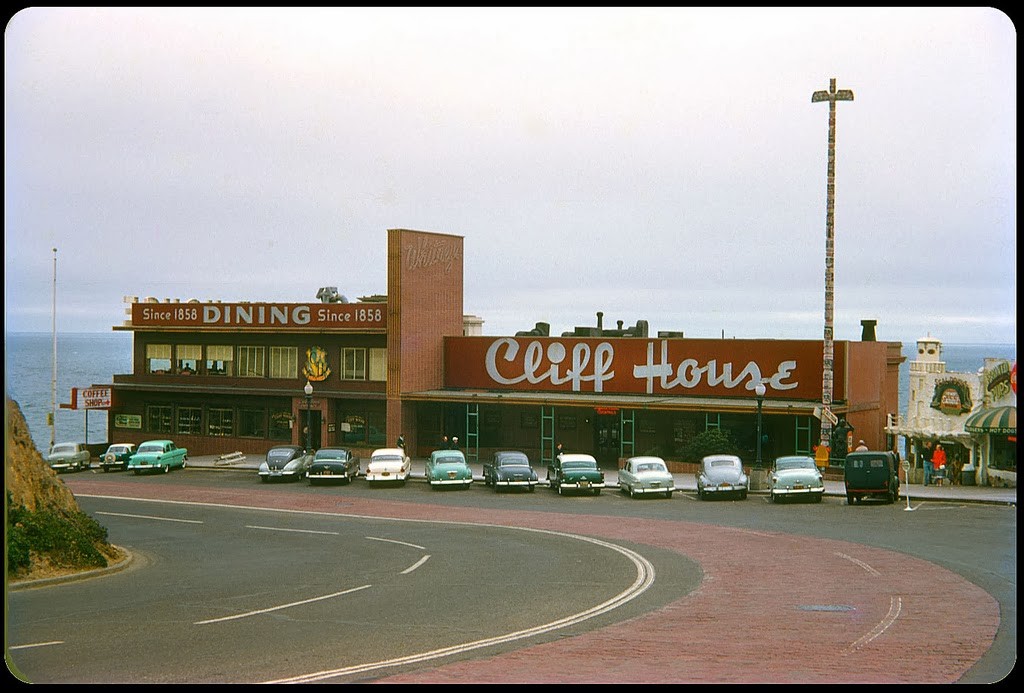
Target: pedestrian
column 445, row 445
column 558, row 450
column 939, row 462
column 401, row 441
column 955, row 466
column 861, row 446
column 926, row 456
column 455, row 442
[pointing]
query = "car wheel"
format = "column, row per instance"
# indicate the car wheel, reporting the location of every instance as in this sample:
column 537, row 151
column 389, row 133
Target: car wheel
column 817, row 497
column 558, row 487
column 167, row 468
column 137, row 472
column 668, row 494
column 106, row 469
column 597, row 492
column 743, row 495
column 632, row 493
column 772, row 497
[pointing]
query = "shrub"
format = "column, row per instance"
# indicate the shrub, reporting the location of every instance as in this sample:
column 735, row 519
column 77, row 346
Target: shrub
column 68, row 539
column 713, row 441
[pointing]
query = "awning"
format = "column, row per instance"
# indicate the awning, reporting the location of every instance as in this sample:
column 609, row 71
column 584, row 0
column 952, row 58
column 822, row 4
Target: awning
column 999, row 420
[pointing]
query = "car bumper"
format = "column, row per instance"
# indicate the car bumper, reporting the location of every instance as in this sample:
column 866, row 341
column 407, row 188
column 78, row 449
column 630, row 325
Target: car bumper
column 640, row 490
column 582, row 485
column 514, row 483
column 806, row 491
column 450, row 482
column 385, row 476
column 327, row 476
column 725, row 489
column 60, row 466
column 276, row 474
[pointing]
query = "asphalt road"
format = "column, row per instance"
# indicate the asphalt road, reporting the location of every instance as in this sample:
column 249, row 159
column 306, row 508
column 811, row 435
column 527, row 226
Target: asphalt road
column 687, row 590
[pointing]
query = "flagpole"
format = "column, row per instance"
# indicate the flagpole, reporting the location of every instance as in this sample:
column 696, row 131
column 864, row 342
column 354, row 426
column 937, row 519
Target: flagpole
column 53, row 381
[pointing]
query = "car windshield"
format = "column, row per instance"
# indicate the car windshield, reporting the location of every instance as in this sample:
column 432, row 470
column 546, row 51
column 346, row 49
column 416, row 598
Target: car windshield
column 578, row 464
column 651, row 467
column 63, row 448
column 279, row 455
column 151, row 448
column 330, row 455
column 795, row 463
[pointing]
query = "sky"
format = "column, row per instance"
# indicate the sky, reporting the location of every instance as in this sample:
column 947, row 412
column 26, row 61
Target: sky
column 658, row 164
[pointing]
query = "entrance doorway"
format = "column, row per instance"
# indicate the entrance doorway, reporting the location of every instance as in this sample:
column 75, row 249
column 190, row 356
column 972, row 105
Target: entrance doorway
column 315, row 419
column 606, row 440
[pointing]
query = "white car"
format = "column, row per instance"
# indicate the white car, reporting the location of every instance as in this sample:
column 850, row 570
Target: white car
column 794, row 476
column 722, row 475
column 645, row 475
column 389, row 464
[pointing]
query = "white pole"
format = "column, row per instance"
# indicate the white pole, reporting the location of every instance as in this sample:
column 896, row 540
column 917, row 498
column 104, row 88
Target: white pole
column 53, row 380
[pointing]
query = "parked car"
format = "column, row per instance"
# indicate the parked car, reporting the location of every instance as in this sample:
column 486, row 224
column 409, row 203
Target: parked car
column 510, row 469
column 448, row 468
column 645, row 475
column 388, row 464
column 285, row 463
column 574, row 471
column 333, row 464
column 116, row 456
column 795, row 476
column 157, row 455
column 65, row 457
column 871, row 474
column 721, row 475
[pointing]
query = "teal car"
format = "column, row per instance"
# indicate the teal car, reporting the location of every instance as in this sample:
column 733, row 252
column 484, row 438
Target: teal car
column 574, row 472
column 448, row 468
column 157, row 455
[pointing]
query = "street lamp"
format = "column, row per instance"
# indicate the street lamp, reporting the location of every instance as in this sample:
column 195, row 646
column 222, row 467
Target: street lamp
column 309, row 397
column 759, row 390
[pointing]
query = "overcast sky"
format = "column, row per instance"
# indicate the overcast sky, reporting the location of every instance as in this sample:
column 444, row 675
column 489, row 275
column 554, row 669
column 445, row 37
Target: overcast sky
column 655, row 164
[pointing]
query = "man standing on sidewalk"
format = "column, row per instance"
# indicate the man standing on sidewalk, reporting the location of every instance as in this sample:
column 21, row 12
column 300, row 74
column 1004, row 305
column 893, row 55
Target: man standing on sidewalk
column 926, row 456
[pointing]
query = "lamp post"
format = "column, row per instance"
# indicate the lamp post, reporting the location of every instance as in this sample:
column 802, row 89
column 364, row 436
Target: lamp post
column 309, row 398
column 759, row 390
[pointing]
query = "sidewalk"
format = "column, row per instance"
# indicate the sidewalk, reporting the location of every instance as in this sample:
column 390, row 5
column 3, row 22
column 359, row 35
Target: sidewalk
column 688, row 482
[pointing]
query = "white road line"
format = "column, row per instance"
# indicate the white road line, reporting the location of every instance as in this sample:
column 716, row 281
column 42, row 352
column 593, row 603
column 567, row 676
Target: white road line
column 895, row 607
column 859, row 562
column 278, row 608
column 416, row 565
column 395, row 541
column 153, row 517
column 36, row 644
column 644, row 579
column 286, row 529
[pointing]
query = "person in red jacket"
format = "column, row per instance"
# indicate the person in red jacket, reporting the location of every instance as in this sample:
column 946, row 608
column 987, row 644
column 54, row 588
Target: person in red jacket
column 939, row 462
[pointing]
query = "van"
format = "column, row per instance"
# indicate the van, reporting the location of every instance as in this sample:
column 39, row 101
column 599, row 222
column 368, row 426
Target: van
column 872, row 474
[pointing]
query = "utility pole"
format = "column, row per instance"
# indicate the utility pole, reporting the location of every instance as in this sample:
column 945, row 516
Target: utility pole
column 53, row 380
column 827, row 363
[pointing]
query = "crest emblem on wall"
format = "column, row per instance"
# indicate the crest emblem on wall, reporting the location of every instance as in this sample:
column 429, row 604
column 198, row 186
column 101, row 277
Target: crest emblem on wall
column 316, row 367
column 952, row 397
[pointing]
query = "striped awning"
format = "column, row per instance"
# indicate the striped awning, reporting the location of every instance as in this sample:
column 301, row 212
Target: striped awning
column 997, row 420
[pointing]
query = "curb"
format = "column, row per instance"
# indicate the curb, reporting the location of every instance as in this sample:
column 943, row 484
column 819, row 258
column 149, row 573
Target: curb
column 73, row 577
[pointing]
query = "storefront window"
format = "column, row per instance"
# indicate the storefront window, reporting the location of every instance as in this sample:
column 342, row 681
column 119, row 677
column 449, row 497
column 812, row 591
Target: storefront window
column 158, row 418
column 356, row 429
column 219, row 359
column 158, row 358
column 1003, row 454
column 280, row 424
column 377, row 429
column 189, row 419
column 284, row 362
column 252, row 423
column 222, row 422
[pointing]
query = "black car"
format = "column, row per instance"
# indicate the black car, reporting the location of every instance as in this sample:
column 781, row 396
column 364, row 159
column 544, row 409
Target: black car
column 510, row 469
column 872, row 474
column 333, row 465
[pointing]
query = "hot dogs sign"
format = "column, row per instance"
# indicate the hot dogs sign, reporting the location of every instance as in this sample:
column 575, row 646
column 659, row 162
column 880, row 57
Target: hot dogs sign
column 789, row 369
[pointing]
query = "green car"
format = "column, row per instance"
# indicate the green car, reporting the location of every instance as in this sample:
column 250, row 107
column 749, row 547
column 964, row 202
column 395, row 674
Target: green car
column 157, row 455
column 448, row 468
column 575, row 472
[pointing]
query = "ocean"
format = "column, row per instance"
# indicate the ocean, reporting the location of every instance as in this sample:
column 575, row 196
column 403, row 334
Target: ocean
column 85, row 359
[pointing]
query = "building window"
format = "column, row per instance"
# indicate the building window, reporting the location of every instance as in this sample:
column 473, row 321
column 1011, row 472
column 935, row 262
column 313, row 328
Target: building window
column 353, row 428
column 250, row 362
column 252, row 423
column 158, row 418
column 188, row 356
column 712, row 420
column 189, row 421
column 222, row 422
column 802, row 432
column 376, row 428
column 353, row 364
column 378, row 365
column 284, row 362
column 219, row 359
column 280, row 424
column 158, row 358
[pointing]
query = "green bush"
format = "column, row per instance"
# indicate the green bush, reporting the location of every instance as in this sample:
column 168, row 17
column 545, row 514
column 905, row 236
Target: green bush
column 67, row 539
column 713, row 441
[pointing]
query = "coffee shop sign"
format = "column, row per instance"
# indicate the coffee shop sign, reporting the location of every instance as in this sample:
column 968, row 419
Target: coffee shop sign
column 594, row 363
